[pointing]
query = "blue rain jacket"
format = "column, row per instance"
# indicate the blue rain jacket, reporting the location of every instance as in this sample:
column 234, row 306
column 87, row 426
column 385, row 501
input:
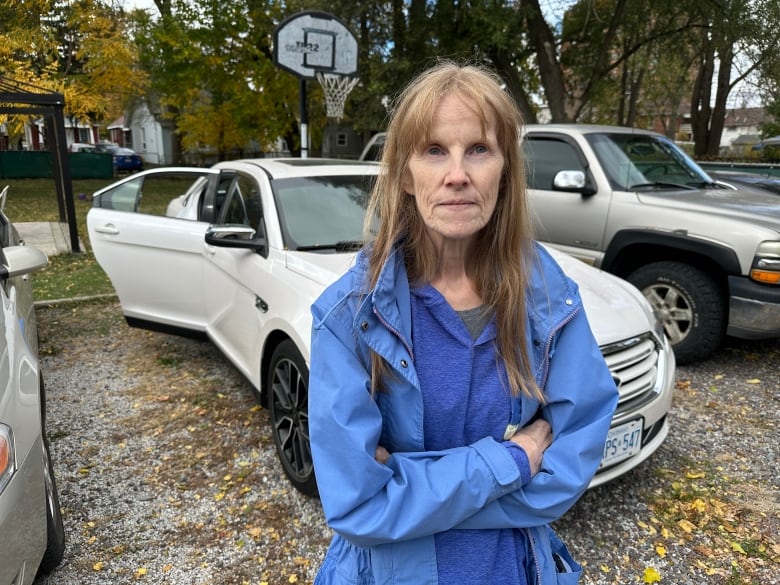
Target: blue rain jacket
column 384, row 516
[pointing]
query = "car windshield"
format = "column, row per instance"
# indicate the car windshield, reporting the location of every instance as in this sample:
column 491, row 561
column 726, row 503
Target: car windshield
column 322, row 213
column 643, row 161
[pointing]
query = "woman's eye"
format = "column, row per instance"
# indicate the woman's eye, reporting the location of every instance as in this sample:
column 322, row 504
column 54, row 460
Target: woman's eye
column 480, row 149
column 434, row 150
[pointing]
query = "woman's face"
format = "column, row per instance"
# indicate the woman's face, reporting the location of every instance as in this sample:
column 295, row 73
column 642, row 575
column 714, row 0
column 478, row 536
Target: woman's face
column 454, row 178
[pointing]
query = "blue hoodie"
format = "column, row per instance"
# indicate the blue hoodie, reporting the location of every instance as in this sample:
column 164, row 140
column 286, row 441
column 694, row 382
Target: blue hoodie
column 385, row 516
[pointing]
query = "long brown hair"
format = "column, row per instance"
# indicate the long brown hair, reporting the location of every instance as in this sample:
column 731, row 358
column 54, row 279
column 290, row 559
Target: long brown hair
column 504, row 250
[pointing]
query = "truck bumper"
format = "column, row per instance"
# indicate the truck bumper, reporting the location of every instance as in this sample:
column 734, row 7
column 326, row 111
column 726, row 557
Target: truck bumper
column 754, row 309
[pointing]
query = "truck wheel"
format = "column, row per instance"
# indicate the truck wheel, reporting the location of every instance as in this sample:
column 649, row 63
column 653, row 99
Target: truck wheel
column 689, row 304
column 288, row 404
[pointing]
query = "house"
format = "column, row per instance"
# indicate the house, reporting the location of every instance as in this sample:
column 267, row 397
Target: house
column 141, row 130
column 742, row 129
column 34, row 135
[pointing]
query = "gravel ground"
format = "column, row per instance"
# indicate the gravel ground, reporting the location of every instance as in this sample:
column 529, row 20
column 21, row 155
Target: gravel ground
column 167, row 472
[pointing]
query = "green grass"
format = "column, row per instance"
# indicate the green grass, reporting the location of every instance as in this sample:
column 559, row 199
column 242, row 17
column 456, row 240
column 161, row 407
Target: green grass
column 72, row 275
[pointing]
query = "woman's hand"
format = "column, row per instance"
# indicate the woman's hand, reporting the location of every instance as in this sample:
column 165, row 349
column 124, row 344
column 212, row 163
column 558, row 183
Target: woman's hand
column 381, row 455
column 534, row 439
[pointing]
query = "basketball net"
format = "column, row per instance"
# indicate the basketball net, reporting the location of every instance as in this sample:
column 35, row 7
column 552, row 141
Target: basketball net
column 336, row 89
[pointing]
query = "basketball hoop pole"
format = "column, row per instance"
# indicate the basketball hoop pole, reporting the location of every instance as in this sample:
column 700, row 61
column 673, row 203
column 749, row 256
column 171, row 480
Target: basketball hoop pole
column 304, row 120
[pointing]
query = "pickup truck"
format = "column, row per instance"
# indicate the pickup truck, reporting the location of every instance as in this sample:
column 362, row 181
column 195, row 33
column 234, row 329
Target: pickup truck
column 632, row 203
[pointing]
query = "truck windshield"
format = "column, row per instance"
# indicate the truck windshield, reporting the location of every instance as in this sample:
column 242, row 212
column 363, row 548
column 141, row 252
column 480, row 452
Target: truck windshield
column 642, row 161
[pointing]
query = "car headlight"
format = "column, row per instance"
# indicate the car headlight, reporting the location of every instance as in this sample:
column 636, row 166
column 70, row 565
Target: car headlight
column 7, row 456
column 766, row 263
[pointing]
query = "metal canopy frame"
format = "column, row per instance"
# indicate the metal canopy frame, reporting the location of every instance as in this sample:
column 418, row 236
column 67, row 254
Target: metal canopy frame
column 17, row 97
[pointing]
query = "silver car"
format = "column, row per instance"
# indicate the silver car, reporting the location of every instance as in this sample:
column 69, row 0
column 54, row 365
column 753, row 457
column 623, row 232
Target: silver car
column 32, row 536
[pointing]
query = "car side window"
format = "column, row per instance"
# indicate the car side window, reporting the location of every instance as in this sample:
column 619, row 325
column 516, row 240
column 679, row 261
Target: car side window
column 159, row 193
column 546, row 157
column 243, row 204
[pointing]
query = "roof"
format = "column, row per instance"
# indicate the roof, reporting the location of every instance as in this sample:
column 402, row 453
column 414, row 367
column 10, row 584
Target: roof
column 118, row 123
column 746, row 139
column 745, row 117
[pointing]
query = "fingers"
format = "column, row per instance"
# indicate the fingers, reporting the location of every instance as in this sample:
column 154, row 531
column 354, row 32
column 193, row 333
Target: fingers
column 381, row 455
column 534, row 440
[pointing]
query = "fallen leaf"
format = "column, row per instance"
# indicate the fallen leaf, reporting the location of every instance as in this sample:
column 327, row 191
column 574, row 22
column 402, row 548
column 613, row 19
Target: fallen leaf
column 98, row 566
column 605, row 569
column 695, row 474
column 660, row 550
column 686, row 525
column 753, row 381
column 736, row 547
column 698, row 505
column 652, row 576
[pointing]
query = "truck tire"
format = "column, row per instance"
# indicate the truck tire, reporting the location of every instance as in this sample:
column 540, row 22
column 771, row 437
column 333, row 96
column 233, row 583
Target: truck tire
column 689, row 304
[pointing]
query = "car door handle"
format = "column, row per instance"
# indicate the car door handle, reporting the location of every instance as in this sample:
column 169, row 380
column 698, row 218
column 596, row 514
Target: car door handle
column 108, row 228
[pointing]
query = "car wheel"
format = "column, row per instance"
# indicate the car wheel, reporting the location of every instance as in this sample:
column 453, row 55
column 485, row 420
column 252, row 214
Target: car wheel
column 288, row 403
column 55, row 529
column 689, row 304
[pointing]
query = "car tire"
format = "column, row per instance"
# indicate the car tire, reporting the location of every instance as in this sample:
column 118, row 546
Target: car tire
column 689, row 304
column 288, row 405
column 55, row 528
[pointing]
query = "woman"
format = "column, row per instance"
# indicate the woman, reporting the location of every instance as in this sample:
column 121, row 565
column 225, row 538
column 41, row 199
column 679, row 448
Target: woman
column 458, row 402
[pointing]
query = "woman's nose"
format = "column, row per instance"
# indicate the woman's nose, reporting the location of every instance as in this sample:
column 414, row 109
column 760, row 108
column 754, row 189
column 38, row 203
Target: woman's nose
column 456, row 173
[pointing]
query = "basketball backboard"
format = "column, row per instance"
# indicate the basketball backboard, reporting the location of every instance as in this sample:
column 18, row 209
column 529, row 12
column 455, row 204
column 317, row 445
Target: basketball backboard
column 310, row 42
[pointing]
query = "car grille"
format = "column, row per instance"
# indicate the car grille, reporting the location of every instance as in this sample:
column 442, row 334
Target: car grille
column 634, row 366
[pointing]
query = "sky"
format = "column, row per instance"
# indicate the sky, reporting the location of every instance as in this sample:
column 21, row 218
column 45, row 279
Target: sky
column 144, row 4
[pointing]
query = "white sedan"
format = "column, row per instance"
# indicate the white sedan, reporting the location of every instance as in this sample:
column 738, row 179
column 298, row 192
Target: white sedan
column 236, row 253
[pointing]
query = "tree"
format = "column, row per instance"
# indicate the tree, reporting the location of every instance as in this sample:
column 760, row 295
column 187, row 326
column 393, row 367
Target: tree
column 80, row 49
column 730, row 27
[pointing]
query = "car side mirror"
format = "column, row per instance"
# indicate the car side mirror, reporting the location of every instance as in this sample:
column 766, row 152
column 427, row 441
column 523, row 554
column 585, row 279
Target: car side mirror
column 235, row 236
column 21, row 260
column 574, row 181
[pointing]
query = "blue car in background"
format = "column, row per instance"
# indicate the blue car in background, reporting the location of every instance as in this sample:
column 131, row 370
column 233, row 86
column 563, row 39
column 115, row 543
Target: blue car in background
column 127, row 160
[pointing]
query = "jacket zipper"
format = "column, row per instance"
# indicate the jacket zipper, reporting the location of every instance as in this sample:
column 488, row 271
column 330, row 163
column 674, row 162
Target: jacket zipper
column 532, row 540
column 548, row 343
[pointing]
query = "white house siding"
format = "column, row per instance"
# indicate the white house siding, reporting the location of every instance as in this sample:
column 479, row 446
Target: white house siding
column 147, row 136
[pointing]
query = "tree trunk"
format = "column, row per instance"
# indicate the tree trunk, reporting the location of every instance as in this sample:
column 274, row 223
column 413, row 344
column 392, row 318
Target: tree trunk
column 701, row 111
column 543, row 42
column 514, row 85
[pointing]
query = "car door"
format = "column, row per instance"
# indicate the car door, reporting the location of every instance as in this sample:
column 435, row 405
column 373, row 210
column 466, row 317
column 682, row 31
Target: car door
column 237, row 312
column 155, row 261
column 571, row 220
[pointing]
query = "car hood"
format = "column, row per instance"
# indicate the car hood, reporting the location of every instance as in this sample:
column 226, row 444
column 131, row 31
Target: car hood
column 753, row 205
column 321, row 269
column 616, row 309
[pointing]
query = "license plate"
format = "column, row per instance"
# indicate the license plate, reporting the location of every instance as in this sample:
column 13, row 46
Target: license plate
column 622, row 442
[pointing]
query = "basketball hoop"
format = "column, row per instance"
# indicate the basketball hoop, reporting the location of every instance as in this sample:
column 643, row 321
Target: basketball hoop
column 336, row 89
